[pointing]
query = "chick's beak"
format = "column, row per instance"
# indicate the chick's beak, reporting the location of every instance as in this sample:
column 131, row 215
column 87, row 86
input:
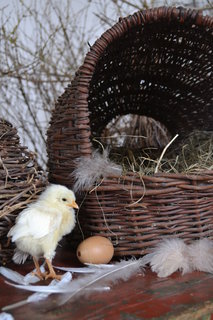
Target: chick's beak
column 73, row 204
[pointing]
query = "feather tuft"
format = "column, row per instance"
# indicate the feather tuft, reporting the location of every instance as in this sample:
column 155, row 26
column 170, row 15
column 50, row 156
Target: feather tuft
column 169, row 256
column 89, row 171
column 201, row 255
column 19, row 256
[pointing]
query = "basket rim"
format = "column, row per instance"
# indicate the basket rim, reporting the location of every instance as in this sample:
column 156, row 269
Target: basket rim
column 173, row 180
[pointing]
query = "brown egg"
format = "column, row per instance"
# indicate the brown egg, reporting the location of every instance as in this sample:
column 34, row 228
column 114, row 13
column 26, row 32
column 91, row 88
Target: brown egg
column 95, row 250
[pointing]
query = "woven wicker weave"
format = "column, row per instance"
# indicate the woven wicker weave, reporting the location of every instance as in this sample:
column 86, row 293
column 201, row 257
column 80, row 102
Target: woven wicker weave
column 20, row 183
column 157, row 63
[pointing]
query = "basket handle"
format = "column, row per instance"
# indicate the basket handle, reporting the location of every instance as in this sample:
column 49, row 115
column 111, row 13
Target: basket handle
column 69, row 133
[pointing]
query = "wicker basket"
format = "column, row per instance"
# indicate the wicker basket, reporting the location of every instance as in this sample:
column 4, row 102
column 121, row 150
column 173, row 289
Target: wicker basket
column 156, row 63
column 20, row 183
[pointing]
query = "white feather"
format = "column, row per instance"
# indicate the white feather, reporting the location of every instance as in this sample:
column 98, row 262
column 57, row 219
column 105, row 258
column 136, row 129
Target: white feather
column 89, row 171
column 19, row 256
column 94, row 266
column 6, row 316
column 66, row 278
column 38, row 296
column 76, row 270
column 201, row 255
column 169, row 256
column 121, row 271
column 99, row 281
column 12, row 275
column 47, row 290
column 91, row 268
column 18, row 278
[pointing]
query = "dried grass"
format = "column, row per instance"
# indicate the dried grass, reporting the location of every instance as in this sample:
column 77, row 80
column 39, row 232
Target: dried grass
column 192, row 156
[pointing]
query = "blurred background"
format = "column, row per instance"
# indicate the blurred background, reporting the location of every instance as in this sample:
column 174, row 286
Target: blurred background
column 42, row 44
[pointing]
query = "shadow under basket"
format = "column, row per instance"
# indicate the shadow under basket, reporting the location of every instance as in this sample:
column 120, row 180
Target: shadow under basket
column 156, row 63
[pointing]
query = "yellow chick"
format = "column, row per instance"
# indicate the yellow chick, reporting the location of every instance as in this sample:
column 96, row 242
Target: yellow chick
column 40, row 227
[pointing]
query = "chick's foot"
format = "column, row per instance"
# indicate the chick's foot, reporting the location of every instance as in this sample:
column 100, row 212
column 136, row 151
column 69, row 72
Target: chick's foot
column 38, row 273
column 51, row 274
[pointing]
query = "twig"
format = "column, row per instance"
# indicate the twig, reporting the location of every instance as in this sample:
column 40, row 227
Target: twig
column 163, row 152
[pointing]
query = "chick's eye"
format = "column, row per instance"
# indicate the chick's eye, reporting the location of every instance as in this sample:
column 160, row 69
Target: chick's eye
column 64, row 199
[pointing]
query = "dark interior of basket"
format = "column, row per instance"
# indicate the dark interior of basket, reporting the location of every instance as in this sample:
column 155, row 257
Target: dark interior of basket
column 163, row 70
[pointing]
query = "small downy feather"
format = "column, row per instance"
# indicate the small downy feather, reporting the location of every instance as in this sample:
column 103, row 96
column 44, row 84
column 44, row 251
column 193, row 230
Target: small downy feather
column 201, row 255
column 169, row 256
column 19, row 256
column 89, row 171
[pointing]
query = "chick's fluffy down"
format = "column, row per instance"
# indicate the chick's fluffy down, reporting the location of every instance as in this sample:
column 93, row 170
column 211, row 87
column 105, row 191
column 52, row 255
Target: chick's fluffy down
column 41, row 226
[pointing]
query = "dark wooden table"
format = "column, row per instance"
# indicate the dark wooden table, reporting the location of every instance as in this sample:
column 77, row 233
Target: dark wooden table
column 141, row 297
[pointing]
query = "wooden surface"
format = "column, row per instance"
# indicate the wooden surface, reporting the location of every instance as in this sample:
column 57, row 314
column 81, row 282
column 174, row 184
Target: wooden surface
column 141, row 297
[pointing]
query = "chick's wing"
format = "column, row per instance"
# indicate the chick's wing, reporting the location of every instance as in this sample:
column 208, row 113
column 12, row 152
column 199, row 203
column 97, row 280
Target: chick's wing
column 35, row 222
